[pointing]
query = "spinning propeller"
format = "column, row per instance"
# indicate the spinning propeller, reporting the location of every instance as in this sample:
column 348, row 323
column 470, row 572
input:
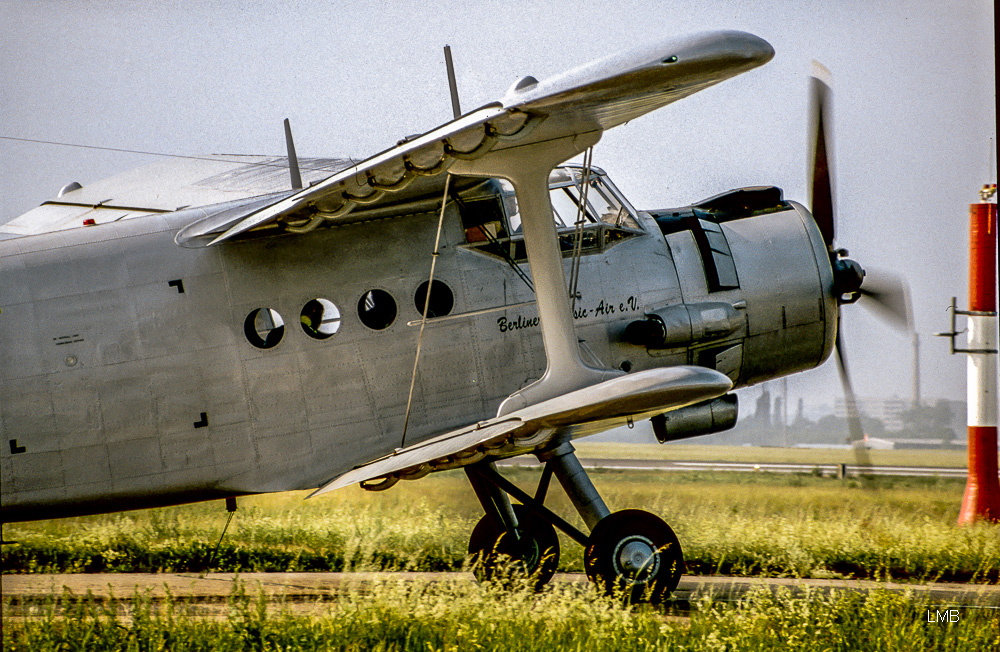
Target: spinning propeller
column 884, row 294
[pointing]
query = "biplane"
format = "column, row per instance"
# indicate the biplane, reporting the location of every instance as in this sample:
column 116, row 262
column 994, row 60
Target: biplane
column 218, row 326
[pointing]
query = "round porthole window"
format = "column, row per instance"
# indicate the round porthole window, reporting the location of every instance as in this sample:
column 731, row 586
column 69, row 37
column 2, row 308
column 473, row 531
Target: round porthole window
column 377, row 309
column 320, row 318
column 264, row 327
column 441, row 302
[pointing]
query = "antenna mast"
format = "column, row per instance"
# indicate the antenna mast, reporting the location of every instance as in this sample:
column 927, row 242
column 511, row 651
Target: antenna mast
column 452, row 84
column 293, row 160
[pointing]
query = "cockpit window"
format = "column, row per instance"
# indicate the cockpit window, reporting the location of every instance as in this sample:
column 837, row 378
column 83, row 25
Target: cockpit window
column 602, row 204
column 483, row 218
column 565, row 207
column 566, row 189
column 492, row 222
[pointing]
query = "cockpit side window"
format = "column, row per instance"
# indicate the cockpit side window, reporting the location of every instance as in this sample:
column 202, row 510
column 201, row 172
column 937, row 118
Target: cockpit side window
column 483, row 219
column 602, row 205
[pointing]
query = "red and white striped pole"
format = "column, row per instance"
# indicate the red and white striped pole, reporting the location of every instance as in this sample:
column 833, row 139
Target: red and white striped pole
column 982, row 490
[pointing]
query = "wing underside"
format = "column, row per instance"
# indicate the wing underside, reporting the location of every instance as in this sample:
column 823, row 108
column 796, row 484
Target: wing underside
column 536, row 427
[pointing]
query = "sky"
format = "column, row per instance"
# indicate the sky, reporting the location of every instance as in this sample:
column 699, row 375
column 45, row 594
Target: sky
column 914, row 96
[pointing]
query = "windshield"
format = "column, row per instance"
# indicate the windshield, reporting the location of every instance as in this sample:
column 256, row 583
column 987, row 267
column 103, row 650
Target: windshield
column 566, row 188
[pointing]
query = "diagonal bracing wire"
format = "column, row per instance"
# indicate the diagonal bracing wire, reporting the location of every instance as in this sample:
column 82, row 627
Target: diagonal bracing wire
column 574, row 275
column 215, row 159
column 427, row 304
column 492, row 239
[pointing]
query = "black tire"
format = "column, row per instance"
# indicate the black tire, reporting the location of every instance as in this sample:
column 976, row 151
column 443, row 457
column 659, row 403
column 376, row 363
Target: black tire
column 618, row 560
column 495, row 556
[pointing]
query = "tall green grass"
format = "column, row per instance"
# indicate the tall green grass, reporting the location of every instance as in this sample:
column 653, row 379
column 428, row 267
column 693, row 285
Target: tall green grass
column 744, row 524
column 464, row 616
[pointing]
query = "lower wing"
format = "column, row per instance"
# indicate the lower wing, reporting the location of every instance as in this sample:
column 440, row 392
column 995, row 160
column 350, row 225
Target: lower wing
column 536, row 427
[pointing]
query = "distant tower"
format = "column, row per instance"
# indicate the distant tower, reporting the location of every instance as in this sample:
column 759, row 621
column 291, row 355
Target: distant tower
column 784, row 411
column 763, row 414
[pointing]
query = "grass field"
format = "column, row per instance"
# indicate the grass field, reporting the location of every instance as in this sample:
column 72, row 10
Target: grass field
column 469, row 617
column 694, row 452
column 743, row 524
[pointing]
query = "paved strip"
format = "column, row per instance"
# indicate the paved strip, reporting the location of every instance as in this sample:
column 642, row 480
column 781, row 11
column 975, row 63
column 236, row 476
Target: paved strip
column 770, row 467
column 312, row 587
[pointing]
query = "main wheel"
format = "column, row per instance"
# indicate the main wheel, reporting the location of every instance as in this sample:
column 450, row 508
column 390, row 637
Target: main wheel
column 496, row 556
column 635, row 555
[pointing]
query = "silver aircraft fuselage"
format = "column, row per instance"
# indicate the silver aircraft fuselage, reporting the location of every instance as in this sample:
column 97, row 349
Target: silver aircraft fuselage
column 129, row 378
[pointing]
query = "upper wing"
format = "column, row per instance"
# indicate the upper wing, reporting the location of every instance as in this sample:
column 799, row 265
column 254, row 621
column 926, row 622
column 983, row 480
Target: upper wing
column 593, row 97
column 531, row 428
column 178, row 183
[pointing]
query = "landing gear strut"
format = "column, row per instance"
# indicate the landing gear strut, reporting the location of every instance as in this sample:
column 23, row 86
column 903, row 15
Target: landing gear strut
column 631, row 553
column 534, row 551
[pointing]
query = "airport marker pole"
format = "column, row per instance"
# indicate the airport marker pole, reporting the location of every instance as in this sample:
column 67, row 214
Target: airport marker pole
column 982, row 489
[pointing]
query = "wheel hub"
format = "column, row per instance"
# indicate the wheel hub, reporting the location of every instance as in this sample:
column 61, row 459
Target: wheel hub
column 530, row 553
column 635, row 555
column 637, row 558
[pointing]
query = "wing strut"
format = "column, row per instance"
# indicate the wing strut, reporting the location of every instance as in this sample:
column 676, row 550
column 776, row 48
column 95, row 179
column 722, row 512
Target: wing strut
column 527, row 168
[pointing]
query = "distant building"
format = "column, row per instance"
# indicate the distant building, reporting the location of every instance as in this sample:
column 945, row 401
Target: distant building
column 959, row 417
column 888, row 411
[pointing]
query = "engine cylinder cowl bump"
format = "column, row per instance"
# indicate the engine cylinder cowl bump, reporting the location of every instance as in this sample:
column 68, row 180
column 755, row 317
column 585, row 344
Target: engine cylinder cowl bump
column 683, row 324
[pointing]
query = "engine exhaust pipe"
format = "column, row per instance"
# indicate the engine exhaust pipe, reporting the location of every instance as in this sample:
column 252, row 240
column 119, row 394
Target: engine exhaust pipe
column 705, row 418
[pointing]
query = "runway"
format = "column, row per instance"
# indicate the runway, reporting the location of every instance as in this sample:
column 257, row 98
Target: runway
column 208, row 594
column 848, row 470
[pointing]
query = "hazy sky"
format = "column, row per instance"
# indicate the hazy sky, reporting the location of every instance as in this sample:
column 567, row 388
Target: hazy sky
column 914, row 91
